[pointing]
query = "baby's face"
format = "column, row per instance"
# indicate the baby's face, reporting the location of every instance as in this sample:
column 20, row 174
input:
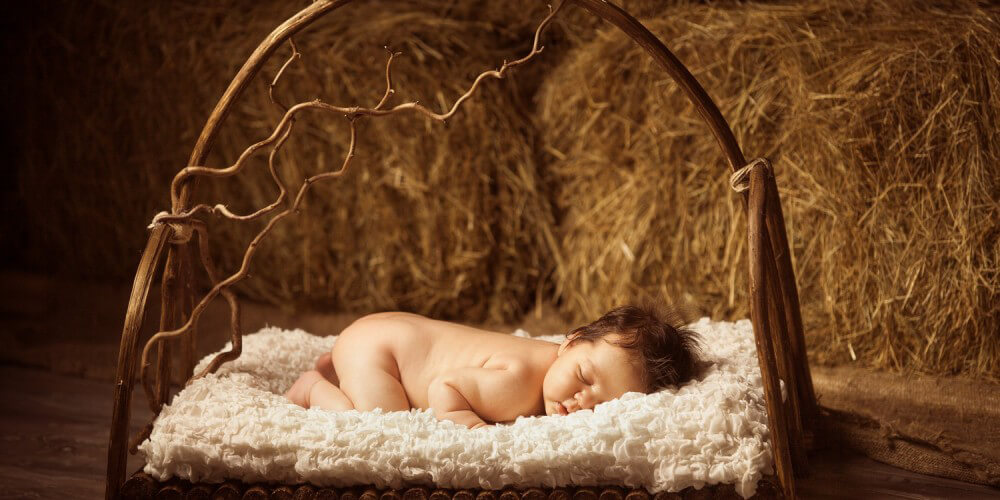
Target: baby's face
column 586, row 374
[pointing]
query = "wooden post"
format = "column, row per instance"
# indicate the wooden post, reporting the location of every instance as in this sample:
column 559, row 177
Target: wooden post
column 177, row 294
column 168, row 315
column 778, row 332
column 793, row 315
column 776, row 415
column 187, row 292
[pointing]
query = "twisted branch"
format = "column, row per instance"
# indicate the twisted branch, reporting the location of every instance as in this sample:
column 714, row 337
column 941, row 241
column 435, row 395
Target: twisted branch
column 222, row 286
column 278, row 137
column 270, row 88
column 356, row 111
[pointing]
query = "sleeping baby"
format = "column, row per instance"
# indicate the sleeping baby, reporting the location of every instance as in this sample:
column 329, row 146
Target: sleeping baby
column 398, row 361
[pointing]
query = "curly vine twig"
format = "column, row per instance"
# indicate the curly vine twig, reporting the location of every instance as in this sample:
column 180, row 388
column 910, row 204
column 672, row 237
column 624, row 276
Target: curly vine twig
column 356, row 111
column 278, row 137
column 221, row 286
column 270, row 88
column 281, row 131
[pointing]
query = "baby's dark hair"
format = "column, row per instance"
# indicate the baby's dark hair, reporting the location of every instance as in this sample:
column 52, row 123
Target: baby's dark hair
column 668, row 353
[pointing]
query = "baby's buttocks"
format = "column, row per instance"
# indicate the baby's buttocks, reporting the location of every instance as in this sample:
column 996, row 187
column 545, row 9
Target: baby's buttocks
column 390, row 343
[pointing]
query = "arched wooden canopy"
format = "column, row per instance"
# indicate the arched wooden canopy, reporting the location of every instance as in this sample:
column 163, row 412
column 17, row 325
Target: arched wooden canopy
column 775, row 315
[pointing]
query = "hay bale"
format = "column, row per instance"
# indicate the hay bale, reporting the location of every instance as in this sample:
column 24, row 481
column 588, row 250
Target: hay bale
column 881, row 122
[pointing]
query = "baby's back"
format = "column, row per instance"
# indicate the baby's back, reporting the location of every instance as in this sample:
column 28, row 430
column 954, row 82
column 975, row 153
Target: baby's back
column 416, row 350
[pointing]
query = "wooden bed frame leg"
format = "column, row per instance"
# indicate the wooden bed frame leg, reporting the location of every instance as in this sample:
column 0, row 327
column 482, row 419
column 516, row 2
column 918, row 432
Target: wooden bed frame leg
column 168, row 306
column 778, row 332
column 792, row 313
column 187, row 305
column 176, row 294
column 776, row 413
column 125, row 374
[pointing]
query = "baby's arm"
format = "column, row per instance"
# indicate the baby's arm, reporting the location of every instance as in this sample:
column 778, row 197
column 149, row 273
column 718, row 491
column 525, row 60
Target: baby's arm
column 468, row 395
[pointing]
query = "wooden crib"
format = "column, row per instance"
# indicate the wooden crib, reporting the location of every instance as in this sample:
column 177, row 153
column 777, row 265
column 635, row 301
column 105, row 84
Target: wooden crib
column 171, row 247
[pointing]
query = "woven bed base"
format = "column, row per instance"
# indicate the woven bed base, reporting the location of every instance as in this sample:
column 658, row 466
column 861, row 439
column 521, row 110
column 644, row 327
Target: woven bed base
column 142, row 485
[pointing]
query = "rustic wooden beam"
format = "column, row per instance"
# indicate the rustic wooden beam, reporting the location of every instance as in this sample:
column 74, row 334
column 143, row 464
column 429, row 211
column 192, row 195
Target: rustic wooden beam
column 199, row 492
column 282, row 493
column 172, row 490
column 417, row 493
column 440, row 494
column 144, row 486
column 637, row 494
column 256, row 492
column 229, row 490
column 139, row 486
column 559, row 494
column 308, row 492
column 534, row 494
column 611, row 494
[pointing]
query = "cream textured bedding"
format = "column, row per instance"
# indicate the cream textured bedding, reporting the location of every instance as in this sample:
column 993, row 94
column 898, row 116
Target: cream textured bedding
column 236, row 424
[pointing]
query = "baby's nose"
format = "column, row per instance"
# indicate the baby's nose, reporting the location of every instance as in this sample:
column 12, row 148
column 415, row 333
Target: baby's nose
column 583, row 400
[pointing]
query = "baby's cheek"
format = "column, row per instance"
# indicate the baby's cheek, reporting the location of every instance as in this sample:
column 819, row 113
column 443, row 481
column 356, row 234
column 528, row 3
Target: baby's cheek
column 547, row 384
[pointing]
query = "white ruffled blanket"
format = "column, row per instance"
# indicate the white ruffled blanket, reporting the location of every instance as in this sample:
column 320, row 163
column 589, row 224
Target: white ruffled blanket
column 236, row 424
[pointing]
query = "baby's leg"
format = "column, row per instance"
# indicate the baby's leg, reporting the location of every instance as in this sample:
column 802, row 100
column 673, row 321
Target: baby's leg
column 375, row 388
column 327, row 396
column 371, row 380
column 313, row 390
column 324, row 365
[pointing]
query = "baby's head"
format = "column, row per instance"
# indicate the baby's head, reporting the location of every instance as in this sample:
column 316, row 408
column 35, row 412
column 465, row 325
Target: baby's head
column 629, row 349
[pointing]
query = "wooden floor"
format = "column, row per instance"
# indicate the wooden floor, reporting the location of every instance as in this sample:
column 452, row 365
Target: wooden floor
column 54, row 435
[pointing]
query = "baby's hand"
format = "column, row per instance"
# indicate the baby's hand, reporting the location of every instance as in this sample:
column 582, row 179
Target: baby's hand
column 467, row 418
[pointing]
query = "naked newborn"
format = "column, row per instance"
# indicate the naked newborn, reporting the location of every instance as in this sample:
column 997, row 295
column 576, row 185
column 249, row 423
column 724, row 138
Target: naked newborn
column 398, row 361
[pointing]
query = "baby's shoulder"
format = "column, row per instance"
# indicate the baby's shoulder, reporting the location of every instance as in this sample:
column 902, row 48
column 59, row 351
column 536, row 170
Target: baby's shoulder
column 512, row 363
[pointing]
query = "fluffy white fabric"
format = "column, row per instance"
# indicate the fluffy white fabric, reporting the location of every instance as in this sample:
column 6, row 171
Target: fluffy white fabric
column 236, row 424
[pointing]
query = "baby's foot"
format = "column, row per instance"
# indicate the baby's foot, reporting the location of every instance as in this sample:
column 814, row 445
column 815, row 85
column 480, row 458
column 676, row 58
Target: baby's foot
column 299, row 392
column 324, row 365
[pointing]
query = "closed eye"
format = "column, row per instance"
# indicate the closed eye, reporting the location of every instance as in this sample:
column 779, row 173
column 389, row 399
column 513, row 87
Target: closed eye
column 579, row 374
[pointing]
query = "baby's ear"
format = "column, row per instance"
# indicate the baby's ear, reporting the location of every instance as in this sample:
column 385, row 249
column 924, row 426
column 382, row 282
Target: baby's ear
column 565, row 344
